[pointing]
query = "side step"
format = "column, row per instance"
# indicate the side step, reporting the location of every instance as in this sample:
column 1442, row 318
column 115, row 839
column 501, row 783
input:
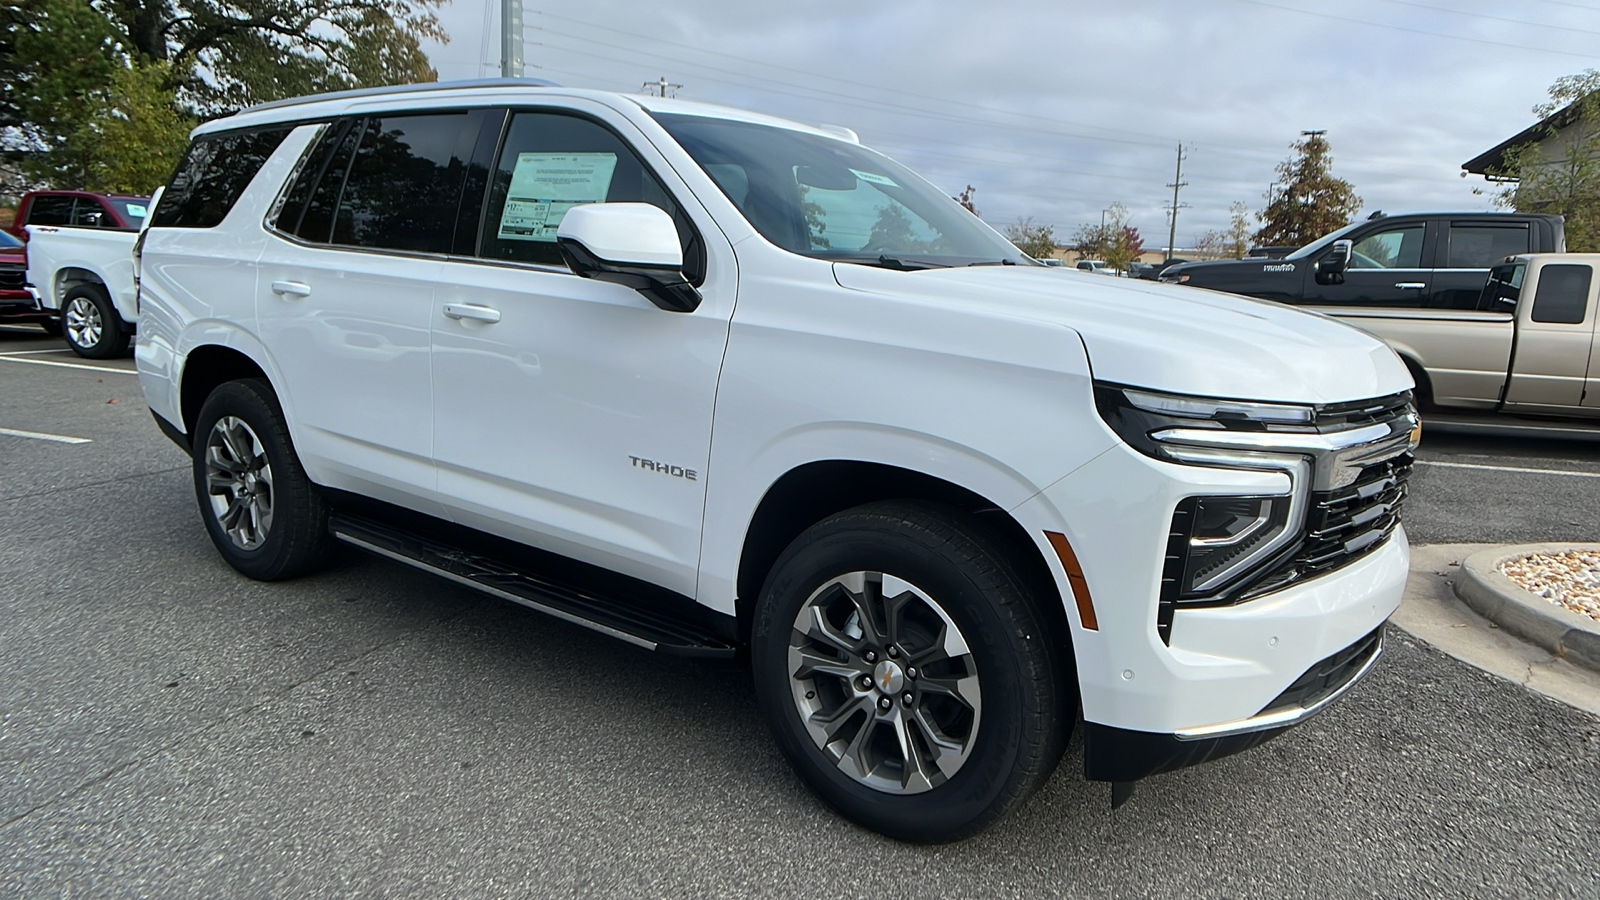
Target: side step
column 609, row 616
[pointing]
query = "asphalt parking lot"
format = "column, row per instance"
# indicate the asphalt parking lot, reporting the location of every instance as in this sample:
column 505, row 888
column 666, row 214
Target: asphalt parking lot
column 168, row 728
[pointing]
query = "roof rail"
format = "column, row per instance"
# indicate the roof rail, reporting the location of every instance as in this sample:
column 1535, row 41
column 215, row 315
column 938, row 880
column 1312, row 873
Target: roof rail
column 404, row 89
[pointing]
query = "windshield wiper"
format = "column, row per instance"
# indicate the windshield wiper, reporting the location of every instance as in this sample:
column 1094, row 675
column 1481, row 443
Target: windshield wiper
column 889, row 262
column 995, row 262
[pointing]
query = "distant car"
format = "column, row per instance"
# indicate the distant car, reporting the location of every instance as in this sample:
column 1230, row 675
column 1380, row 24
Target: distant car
column 1269, row 252
column 18, row 305
column 1096, row 266
column 1052, row 261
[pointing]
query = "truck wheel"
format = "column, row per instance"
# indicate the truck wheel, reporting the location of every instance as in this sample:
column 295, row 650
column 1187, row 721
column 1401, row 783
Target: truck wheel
column 264, row 515
column 906, row 673
column 93, row 328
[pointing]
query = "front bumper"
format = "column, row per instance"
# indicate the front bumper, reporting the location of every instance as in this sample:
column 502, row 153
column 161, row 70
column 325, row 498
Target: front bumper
column 1224, row 664
column 1120, row 754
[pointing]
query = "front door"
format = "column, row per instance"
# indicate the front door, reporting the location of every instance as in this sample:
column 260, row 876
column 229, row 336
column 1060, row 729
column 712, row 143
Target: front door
column 570, row 414
column 1387, row 268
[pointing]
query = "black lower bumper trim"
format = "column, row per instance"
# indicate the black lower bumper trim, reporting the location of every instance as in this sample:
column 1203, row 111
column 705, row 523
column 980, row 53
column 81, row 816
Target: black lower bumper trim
column 172, row 432
column 1121, row 754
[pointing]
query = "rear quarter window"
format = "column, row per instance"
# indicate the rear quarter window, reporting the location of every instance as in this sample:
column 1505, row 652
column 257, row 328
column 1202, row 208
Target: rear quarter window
column 213, row 173
column 1562, row 296
column 50, row 211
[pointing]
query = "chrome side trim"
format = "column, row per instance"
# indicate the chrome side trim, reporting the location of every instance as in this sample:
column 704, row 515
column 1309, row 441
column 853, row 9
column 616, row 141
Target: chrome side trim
column 1338, row 457
column 1294, row 715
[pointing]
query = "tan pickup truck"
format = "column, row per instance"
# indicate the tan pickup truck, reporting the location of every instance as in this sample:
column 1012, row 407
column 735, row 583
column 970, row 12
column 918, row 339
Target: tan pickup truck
column 1529, row 347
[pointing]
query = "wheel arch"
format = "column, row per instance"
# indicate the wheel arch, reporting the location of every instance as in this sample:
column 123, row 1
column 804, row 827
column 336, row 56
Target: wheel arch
column 204, row 368
column 813, row 491
column 68, row 277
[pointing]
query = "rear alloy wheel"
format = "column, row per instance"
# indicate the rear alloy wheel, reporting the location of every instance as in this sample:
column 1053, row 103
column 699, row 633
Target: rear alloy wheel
column 263, row 513
column 91, row 325
column 907, row 673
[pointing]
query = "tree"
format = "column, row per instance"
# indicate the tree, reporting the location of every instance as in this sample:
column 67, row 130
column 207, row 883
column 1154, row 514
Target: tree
column 1113, row 241
column 102, row 93
column 1313, row 202
column 1559, row 171
column 1232, row 242
column 1038, row 241
column 965, row 199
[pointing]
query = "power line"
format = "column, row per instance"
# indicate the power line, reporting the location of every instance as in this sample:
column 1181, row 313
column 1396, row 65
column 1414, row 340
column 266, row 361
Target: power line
column 1462, row 12
column 1454, row 37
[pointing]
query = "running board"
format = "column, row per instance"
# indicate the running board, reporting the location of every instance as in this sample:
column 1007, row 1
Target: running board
column 609, row 616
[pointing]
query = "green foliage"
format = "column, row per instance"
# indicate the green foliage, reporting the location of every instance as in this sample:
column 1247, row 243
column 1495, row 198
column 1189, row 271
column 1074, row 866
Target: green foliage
column 1559, row 172
column 1038, row 241
column 1312, row 203
column 101, row 94
column 1232, row 242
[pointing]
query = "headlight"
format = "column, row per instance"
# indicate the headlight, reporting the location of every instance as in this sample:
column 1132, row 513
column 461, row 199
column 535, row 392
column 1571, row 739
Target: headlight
column 1217, row 540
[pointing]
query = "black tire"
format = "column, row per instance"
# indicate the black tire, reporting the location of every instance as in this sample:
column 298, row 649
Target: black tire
column 91, row 325
column 51, row 327
column 241, row 445
column 1012, row 740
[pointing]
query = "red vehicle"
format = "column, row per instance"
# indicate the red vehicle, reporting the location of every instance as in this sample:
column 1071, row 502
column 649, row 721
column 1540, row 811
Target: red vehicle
column 18, row 304
column 81, row 209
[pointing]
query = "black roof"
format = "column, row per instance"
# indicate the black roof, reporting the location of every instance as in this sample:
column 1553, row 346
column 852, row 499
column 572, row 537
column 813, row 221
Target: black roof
column 1494, row 158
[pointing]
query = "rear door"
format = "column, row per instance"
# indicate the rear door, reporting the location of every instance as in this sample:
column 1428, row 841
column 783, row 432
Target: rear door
column 345, row 296
column 1467, row 250
column 1555, row 337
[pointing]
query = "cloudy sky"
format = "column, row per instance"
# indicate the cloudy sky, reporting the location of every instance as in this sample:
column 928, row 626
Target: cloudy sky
column 1057, row 110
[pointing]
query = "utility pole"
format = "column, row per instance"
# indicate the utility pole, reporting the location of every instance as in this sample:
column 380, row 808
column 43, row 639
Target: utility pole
column 659, row 88
column 510, row 38
column 1177, row 183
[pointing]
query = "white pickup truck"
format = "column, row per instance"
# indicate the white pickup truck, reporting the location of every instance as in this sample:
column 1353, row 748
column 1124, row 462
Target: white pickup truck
column 86, row 274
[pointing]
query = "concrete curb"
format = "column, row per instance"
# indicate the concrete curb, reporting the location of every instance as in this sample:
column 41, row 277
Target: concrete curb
column 1570, row 636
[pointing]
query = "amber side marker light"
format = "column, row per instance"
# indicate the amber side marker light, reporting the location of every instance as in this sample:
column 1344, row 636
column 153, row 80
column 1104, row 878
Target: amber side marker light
column 1080, row 585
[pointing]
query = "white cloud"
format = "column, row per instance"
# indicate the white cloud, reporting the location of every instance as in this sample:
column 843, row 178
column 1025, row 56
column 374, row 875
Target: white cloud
column 1056, row 110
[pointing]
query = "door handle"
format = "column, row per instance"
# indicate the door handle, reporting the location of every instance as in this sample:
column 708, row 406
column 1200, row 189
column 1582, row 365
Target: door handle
column 291, row 288
column 471, row 311
column 1405, row 285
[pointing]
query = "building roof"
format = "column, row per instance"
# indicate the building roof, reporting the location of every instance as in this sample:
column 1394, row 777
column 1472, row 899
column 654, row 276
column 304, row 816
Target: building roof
column 1494, row 158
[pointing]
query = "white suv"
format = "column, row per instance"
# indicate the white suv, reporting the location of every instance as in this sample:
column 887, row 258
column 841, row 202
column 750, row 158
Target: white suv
column 724, row 385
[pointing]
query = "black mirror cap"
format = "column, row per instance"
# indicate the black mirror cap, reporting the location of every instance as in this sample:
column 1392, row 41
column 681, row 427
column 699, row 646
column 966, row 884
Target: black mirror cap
column 664, row 286
column 1330, row 269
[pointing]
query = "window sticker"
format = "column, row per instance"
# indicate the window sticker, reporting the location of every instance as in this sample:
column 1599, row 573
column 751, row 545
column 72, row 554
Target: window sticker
column 136, row 210
column 545, row 185
column 870, row 178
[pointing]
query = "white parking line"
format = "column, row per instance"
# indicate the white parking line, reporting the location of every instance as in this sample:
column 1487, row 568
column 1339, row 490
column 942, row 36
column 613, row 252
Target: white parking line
column 33, row 352
column 46, row 362
column 1451, row 465
column 41, row 436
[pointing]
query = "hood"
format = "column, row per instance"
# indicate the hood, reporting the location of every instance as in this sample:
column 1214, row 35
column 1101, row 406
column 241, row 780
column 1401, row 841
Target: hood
column 1165, row 336
column 1251, row 264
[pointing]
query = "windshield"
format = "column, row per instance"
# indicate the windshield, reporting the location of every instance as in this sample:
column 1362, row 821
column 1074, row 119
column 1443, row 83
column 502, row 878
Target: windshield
column 829, row 199
column 1317, row 245
column 131, row 209
column 8, row 241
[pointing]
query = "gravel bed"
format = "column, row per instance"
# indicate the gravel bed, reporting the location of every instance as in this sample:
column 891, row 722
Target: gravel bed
column 1569, row 579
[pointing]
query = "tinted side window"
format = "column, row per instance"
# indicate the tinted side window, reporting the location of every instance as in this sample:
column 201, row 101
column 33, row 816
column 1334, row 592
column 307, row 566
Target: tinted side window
column 405, row 180
column 1400, row 248
column 50, row 211
column 316, row 220
column 89, row 213
column 1563, row 294
column 551, row 163
column 212, row 175
column 1482, row 246
column 1504, row 288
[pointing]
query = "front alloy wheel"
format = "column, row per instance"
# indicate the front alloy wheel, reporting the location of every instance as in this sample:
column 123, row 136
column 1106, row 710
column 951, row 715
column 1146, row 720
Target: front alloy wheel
column 239, row 482
column 884, row 682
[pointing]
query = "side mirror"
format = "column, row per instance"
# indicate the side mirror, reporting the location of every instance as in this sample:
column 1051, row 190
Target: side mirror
column 631, row 244
column 1331, row 268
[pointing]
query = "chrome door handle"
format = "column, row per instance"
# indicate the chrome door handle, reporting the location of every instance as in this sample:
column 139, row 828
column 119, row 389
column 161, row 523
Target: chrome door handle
column 471, row 311
column 291, row 288
column 1405, row 285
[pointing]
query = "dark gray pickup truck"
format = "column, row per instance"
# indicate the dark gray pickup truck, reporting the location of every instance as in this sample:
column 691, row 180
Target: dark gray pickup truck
column 1417, row 260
